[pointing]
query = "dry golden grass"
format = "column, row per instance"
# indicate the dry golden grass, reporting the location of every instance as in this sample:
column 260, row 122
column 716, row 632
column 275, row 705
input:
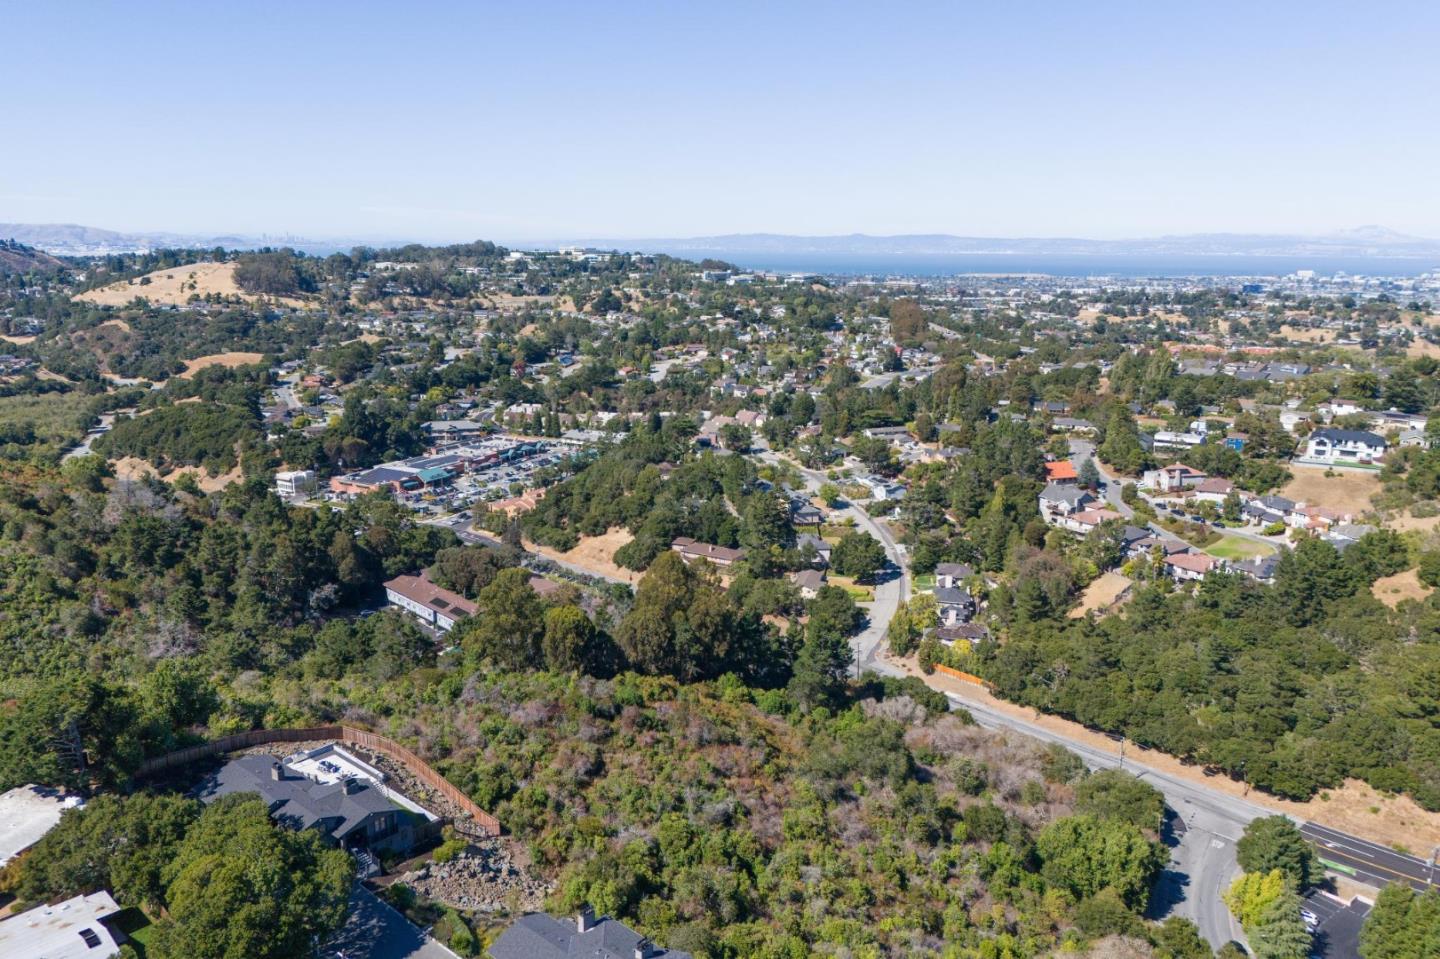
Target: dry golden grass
column 18, row 340
column 1301, row 334
column 594, row 553
column 1423, row 348
column 1405, row 523
column 134, row 468
column 227, row 360
column 1101, row 594
column 175, row 287
column 1394, row 590
column 1348, row 491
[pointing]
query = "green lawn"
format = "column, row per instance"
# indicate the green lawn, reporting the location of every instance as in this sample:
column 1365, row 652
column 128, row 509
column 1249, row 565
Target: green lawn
column 134, row 924
column 1237, row 547
column 923, row 582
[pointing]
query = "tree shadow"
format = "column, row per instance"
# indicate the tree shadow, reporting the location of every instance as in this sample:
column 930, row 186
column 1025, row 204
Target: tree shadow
column 1169, row 889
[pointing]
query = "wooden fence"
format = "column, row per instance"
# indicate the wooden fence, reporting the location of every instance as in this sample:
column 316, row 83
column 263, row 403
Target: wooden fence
column 487, row 824
column 962, row 676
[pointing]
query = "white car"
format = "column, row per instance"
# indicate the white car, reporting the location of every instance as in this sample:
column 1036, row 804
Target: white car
column 1311, row 920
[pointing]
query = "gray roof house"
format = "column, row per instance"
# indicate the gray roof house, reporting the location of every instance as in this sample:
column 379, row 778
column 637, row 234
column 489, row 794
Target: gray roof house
column 1062, row 500
column 538, row 936
column 352, row 812
column 954, row 604
column 822, row 549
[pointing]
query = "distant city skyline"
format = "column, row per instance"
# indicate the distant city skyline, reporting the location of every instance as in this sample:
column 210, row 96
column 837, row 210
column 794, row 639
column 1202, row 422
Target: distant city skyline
column 559, row 120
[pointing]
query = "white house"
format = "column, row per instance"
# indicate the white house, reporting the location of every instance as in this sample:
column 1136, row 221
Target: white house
column 1329, row 445
column 71, row 929
column 431, row 604
column 1174, row 478
column 1335, row 408
column 292, row 484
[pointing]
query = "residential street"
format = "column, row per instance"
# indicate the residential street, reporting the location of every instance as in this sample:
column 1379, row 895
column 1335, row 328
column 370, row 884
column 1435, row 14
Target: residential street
column 894, row 586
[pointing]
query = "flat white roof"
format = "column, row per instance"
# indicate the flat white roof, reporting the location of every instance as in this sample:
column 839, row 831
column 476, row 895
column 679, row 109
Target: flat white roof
column 59, row 931
column 28, row 813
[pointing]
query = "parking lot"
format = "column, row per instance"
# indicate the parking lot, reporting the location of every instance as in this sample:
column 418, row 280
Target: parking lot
column 1337, row 934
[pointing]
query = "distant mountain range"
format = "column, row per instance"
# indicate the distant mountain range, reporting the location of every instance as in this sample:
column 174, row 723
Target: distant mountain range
column 1365, row 241
column 71, row 239
column 68, row 239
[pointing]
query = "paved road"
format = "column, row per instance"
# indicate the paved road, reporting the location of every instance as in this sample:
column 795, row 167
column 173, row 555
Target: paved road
column 1202, row 831
column 1369, row 862
column 895, row 580
column 1082, row 450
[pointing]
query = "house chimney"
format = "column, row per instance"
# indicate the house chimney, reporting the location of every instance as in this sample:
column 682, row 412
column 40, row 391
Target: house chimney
column 277, row 772
column 642, row 949
column 585, row 919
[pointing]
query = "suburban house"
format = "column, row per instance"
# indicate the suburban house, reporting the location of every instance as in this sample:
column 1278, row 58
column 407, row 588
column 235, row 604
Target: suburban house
column 539, row 936
column 428, row 602
column 950, row 575
column 67, row 930
column 1070, row 424
column 690, row 551
column 881, row 488
column 1328, row 445
column 27, row 813
column 1061, row 471
column 1086, row 520
column 821, row 547
column 1212, row 490
column 1333, row 408
column 1135, row 542
column 1343, row 535
column 1189, row 567
column 1175, row 478
column 805, row 513
column 330, row 790
column 1057, row 501
column 954, row 605
column 972, row 633
column 294, row 484
column 1259, row 568
column 809, row 581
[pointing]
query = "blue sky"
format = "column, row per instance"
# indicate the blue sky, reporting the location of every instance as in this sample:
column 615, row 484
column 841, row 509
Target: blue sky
column 533, row 120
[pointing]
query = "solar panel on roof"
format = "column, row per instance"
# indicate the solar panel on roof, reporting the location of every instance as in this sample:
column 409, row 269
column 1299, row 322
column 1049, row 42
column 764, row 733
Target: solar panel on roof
column 91, row 940
column 439, row 604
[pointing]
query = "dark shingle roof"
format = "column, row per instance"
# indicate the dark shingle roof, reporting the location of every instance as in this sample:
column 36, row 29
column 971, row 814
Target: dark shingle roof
column 338, row 808
column 538, row 936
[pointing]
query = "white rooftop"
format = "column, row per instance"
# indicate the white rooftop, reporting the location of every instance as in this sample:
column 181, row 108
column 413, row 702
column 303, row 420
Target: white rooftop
column 26, row 814
column 69, row 930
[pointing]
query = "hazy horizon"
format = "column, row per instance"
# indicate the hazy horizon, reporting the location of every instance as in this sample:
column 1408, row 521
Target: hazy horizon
column 567, row 120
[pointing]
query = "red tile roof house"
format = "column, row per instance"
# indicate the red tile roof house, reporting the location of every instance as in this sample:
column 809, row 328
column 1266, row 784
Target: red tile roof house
column 1189, row 567
column 1086, row 520
column 1213, row 490
column 690, row 551
column 1061, row 471
column 431, row 604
